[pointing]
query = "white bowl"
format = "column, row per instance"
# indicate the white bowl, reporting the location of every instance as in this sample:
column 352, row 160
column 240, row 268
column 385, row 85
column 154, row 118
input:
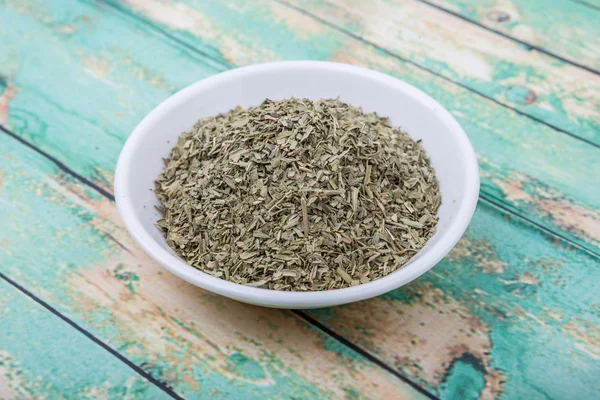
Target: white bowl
column 420, row 116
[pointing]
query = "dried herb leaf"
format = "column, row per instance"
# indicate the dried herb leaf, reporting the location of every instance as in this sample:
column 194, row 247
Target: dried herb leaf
column 297, row 195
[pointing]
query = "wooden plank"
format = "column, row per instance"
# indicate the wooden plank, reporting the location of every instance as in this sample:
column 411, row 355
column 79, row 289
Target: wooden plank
column 129, row 67
column 509, row 312
column 500, row 69
column 65, row 243
column 567, row 28
column 42, row 357
column 83, row 266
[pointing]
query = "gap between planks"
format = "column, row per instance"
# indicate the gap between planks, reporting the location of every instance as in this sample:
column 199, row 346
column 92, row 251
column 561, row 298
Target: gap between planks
column 300, row 314
column 161, row 385
column 514, row 39
column 155, row 28
column 585, row 3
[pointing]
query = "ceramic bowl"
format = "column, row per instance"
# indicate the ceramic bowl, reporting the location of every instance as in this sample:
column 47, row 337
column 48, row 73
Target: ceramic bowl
column 420, row 116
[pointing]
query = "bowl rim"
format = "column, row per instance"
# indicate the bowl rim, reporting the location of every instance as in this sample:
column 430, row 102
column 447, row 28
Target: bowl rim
column 276, row 298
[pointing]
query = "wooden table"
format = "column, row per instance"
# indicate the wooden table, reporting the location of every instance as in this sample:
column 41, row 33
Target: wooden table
column 512, row 312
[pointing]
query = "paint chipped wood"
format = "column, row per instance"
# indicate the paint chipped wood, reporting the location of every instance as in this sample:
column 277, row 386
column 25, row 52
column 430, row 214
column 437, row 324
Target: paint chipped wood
column 41, row 357
column 510, row 313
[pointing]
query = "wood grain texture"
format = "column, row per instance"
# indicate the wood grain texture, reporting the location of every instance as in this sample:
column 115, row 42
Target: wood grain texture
column 499, row 68
column 80, row 259
column 130, row 67
column 42, row 357
column 510, row 313
column 567, row 28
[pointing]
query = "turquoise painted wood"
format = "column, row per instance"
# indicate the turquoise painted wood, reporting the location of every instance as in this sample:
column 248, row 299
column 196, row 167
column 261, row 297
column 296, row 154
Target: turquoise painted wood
column 511, row 313
column 136, row 67
column 567, row 28
column 505, row 70
column 41, row 357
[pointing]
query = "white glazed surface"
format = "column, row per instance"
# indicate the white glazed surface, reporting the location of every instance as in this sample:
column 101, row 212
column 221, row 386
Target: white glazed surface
column 421, row 117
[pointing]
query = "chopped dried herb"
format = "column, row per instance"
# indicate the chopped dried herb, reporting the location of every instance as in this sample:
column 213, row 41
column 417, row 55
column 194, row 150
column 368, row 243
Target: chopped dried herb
column 297, row 195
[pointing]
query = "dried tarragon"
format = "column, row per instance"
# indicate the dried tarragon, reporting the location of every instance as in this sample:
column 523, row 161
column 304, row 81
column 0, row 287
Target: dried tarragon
column 297, row 195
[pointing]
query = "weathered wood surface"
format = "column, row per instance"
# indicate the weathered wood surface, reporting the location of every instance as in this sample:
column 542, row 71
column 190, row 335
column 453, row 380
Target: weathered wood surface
column 512, row 312
column 41, row 356
column 526, row 166
column 499, row 68
column 566, row 28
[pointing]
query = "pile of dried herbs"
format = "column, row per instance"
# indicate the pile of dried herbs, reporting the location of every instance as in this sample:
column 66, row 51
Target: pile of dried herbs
column 297, row 195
